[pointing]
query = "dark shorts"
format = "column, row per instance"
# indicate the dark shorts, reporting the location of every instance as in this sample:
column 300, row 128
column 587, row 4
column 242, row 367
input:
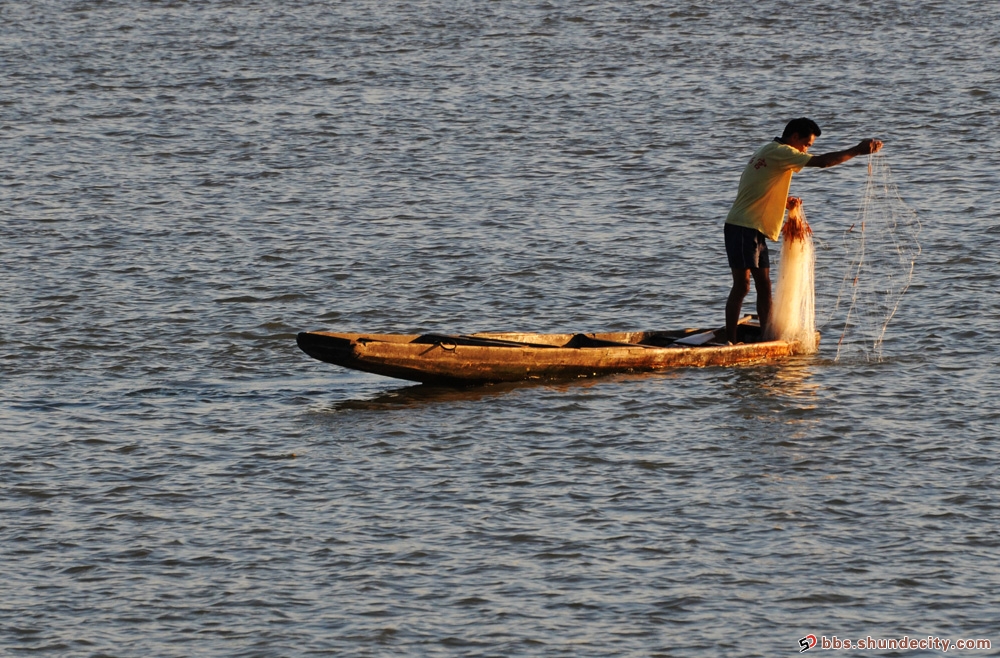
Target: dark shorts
column 746, row 248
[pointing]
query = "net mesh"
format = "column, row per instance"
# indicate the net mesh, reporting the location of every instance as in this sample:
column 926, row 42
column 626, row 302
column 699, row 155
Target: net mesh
column 793, row 312
column 882, row 249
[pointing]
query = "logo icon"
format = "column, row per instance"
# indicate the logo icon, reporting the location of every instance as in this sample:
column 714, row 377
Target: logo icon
column 807, row 643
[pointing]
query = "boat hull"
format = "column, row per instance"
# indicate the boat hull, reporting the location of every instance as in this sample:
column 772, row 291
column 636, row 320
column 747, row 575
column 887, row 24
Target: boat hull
column 510, row 357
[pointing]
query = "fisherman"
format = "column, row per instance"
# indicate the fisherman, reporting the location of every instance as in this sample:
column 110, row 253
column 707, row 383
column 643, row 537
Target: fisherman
column 759, row 210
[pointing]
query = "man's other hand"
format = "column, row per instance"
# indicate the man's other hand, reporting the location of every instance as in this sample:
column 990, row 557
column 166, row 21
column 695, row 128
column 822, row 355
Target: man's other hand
column 867, row 146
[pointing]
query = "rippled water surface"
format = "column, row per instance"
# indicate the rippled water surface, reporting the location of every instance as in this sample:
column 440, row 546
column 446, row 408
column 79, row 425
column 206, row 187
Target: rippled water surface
column 186, row 185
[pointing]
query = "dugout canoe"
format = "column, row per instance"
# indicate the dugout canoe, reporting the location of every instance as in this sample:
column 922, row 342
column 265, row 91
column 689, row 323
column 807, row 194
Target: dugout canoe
column 482, row 358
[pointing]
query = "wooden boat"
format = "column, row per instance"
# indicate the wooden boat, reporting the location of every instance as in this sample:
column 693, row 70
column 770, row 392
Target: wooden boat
column 480, row 358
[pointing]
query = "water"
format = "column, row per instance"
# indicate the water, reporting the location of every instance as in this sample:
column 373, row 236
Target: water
column 187, row 185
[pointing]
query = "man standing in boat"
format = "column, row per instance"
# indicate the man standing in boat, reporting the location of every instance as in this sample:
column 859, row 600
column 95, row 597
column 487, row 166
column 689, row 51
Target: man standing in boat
column 759, row 209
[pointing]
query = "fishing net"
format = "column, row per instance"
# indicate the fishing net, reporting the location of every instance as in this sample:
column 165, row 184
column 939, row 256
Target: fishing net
column 793, row 310
column 882, row 249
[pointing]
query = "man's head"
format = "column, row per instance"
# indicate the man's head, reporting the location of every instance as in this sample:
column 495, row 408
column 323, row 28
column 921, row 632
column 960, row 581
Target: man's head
column 801, row 133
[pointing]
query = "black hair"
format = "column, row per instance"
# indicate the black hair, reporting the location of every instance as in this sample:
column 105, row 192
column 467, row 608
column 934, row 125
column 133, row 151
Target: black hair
column 802, row 127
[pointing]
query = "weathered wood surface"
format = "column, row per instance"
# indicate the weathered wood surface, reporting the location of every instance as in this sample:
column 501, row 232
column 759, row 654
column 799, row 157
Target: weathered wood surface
column 458, row 360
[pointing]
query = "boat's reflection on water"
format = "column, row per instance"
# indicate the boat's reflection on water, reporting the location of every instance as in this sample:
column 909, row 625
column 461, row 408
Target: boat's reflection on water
column 420, row 394
column 791, row 383
column 791, row 378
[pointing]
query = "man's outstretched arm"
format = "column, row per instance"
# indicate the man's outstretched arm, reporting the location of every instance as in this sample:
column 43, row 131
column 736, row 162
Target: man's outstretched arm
column 834, row 158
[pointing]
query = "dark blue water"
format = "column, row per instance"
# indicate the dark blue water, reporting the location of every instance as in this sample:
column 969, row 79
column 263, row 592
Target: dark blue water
column 184, row 186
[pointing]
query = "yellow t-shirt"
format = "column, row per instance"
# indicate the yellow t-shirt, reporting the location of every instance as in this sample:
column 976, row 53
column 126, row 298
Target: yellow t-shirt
column 760, row 201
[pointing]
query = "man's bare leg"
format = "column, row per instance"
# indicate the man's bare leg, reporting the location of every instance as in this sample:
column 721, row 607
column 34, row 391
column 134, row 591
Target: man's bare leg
column 741, row 286
column 762, row 282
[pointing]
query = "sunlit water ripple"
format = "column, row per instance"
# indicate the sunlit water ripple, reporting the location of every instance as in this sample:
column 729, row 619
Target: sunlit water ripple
column 187, row 185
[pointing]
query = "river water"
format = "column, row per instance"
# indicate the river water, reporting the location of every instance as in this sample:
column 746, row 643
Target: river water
column 186, row 185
